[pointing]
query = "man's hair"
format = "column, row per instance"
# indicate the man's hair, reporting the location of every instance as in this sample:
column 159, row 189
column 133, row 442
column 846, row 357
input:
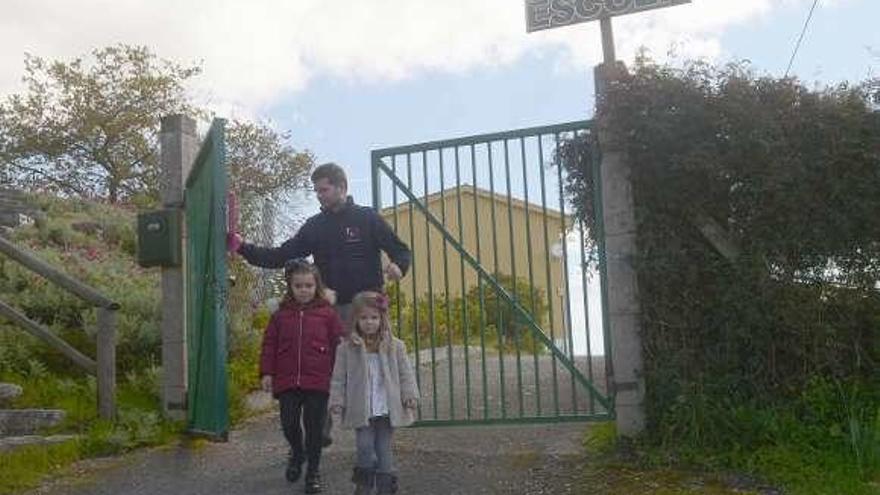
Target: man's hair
column 332, row 172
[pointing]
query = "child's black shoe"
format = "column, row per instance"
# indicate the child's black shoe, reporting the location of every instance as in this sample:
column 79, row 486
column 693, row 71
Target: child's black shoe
column 313, row 483
column 386, row 484
column 294, row 469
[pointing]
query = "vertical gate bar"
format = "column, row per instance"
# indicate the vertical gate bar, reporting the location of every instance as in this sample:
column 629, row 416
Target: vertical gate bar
column 498, row 313
column 397, row 233
column 513, row 319
column 528, row 205
column 412, row 269
column 449, row 326
column 481, row 297
column 584, row 265
column 567, row 314
column 465, row 325
column 547, row 261
column 430, row 285
column 377, row 192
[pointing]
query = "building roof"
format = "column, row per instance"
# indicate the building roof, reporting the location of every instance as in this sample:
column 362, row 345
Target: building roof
column 468, row 190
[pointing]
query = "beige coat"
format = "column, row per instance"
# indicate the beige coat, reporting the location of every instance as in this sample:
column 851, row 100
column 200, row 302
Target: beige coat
column 350, row 387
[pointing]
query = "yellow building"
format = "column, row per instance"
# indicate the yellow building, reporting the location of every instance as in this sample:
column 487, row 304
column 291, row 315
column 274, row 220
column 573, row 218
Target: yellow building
column 509, row 253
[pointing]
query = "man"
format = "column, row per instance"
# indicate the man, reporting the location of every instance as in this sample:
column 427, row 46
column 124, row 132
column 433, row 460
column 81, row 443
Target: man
column 346, row 241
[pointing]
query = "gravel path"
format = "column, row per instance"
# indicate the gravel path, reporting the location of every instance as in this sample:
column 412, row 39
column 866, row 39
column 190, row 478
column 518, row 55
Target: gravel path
column 534, row 459
column 514, row 459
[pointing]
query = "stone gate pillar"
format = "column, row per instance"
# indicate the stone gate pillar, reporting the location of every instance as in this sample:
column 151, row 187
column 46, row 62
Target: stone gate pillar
column 624, row 310
column 179, row 144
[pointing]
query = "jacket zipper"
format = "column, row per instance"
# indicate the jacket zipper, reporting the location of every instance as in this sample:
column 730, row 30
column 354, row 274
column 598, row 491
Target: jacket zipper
column 299, row 350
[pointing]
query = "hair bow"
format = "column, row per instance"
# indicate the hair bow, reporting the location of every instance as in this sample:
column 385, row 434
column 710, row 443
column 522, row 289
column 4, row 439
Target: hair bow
column 382, row 302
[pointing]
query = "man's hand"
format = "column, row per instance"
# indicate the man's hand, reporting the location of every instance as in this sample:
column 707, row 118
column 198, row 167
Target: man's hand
column 266, row 383
column 337, row 409
column 330, row 295
column 409, row 403
column 233, row 241
column 393, row 272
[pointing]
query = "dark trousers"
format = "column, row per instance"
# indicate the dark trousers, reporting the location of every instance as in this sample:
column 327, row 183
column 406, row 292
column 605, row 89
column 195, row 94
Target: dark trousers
column 310, row 406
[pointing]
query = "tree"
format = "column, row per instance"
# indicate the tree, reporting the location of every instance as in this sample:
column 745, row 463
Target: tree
column 90, row 129
column 264, row 171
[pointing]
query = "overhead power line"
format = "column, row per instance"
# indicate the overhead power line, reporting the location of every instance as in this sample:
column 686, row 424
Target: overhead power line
column 801, row 37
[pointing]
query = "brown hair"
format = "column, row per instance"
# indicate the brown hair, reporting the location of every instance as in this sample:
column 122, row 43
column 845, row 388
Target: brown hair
column 332, row 172
column 300, row 266
column 379, row 302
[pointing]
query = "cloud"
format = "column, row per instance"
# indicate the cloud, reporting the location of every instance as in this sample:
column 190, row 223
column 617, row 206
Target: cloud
column 254, row 53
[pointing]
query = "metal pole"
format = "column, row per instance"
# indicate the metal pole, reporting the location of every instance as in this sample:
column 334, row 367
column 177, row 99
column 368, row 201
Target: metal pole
column 607, row 40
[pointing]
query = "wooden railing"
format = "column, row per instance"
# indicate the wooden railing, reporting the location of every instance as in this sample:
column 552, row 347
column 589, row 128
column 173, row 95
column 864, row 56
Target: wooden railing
column 105, row 367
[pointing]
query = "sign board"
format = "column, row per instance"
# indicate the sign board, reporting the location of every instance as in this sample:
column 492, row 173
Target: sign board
column 546, row 14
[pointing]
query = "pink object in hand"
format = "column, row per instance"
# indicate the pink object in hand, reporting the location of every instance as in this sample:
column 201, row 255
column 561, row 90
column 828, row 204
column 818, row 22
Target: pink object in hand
column 231, row 212
column 233, row 242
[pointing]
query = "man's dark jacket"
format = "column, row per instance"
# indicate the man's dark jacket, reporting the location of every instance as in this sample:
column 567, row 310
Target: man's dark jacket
column 346, row 246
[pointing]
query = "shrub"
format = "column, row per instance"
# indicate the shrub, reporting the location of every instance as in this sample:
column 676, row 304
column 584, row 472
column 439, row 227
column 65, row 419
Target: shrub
column 749, row 350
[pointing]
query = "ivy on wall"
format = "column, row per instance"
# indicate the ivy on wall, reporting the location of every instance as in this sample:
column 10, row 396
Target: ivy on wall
column 789, row 178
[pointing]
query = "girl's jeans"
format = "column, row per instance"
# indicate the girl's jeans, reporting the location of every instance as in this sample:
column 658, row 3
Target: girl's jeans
column 374, row 445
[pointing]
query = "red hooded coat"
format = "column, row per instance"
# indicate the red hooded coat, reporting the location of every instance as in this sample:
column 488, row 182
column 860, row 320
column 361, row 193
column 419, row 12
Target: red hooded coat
column 299, row 346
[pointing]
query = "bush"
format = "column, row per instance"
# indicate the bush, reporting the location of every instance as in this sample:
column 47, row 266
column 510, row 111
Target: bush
column 98, row 257
column 441, row 322
column 750, row 350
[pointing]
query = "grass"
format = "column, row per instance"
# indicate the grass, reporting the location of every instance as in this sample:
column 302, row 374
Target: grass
column 96, row 243
column 805, row 471
column 138, row 424
column 24, row 468
column 792, row 467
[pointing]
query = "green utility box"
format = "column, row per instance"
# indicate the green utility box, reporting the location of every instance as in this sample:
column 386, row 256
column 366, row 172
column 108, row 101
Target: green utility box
column 159, row 238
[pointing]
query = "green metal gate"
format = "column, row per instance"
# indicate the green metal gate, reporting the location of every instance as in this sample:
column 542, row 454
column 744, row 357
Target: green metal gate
column 504, row 289
column 206, row 282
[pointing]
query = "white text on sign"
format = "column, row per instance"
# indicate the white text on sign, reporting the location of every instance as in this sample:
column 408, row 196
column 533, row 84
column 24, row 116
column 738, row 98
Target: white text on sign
column 546, row 14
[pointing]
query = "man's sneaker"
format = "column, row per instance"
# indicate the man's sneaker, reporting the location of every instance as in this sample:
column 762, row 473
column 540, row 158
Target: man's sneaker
column 294, row 469
column 313, row 483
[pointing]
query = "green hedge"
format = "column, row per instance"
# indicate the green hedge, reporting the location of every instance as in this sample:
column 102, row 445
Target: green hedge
column 784, row 339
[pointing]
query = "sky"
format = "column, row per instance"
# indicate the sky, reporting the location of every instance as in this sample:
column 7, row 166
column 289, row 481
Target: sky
column 349, row 77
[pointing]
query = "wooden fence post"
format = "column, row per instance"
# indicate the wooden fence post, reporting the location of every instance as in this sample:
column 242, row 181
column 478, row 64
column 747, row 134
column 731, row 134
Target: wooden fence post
column 106, row 363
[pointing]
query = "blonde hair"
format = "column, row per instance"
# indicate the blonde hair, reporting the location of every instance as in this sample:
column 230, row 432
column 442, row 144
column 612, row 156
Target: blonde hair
column 379, row 302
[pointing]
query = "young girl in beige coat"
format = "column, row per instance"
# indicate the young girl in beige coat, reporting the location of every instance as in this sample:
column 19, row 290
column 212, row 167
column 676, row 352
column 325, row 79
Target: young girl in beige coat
column 374, row 389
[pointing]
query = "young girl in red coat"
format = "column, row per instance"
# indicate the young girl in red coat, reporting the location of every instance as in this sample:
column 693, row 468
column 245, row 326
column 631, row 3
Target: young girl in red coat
column 296, row 363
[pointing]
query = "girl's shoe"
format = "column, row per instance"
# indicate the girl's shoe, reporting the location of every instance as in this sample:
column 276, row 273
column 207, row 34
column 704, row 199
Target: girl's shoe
column 386, row 484
column 294, row 469
column 363, row 479
column 313, row 483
